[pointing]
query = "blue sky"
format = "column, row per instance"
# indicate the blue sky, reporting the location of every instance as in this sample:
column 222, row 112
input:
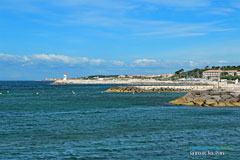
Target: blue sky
column 46, row 38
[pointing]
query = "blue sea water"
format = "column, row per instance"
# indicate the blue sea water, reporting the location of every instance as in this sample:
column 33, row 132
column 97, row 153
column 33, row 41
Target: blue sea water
column 92, row 124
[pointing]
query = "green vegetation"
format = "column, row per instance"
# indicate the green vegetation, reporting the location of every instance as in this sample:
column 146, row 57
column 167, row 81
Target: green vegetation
column 197, row 73
column 225, row 67
column 225, row 75
column 102, row 76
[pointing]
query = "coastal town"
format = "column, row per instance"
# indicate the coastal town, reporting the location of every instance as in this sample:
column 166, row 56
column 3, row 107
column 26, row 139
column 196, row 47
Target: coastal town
column 204, row 87
column 224, row 75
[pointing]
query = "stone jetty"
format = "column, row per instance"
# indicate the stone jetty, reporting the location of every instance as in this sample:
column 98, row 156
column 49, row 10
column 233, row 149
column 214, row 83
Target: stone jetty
column 211, row 98
column 208, row 96
column 158, row 88
column 128, row 81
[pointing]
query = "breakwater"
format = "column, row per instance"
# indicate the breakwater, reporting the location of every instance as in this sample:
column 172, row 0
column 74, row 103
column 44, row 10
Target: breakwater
column 130, row 81
column 196, row 96
column 212, row 98
column 158, row 88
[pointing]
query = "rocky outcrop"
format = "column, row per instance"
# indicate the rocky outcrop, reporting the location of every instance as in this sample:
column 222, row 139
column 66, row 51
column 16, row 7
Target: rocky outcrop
column 213, row 98
column 157, row 88
column 138, row 89
column 196, row 96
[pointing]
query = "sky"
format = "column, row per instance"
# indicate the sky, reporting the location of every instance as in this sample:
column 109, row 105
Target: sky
column 47, row 38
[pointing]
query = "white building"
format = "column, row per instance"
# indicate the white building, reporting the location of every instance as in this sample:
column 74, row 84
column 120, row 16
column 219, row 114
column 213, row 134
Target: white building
column 216, row 74
column 65, row 76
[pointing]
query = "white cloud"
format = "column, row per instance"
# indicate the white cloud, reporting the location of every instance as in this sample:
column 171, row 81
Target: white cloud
column 96, row 61
column 60, row 58
column 174, row 29
column 180, row 3
column 190, row 34
column 221, row 11
column 13, row 58
column 54, row 59
column 53, row 64
column 170, row 64
column 223, row 61
column 67, row 59
column 145, row 62
column 118, row 63
column 25, row 58
column 110, row 4
column 191, row 64
column 140, row 61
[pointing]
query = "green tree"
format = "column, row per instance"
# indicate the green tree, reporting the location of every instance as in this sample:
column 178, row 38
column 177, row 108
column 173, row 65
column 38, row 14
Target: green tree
column 179, row 71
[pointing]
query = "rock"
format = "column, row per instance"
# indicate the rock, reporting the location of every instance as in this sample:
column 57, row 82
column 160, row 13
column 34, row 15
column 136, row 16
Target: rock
column 229, row 104
column 210, row 102
column 198, row 101
column 234, row 99
column 147, row 89
column 217, row 98
column 237, row 104
column 213, row 93
column 189, row 97
column 188, row 104
column 205, row 97
column 235, row 95
column 178, row 101
column 213, row 97
column 197, row 93
column 226, row 96
column 221, row 104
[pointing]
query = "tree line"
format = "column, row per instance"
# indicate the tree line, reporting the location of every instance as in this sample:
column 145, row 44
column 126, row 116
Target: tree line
column 197, row 73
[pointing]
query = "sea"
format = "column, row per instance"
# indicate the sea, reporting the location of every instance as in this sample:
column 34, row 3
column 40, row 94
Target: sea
column 43, row 121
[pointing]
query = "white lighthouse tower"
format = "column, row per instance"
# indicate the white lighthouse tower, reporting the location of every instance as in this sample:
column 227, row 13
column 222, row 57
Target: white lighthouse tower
column 65, row 76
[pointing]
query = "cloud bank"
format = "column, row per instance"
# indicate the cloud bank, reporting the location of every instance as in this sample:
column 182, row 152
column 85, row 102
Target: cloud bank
column 54, row 65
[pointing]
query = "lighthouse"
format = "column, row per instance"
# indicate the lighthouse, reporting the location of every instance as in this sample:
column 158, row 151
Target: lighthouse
column 65, row 76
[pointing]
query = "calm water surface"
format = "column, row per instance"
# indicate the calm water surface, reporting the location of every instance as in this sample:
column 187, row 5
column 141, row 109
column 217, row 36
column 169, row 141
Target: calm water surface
column 93, row 124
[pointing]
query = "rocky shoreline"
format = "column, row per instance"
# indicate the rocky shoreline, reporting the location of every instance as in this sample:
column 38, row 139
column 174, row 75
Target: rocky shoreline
column 207, row 96
column 136, row 89
column 210, row 98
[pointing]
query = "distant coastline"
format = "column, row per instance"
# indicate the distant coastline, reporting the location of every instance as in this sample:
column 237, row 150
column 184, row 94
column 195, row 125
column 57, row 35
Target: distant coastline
column 129, row 81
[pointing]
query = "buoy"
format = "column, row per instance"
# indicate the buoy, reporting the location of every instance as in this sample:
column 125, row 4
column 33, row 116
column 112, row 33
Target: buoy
column 133, row 93
column 0, row 92
column 7, row 91
column 73, row 92
column 37, row 93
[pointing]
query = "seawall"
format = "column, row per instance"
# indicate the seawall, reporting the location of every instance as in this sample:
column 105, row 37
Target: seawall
column 211, row 98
